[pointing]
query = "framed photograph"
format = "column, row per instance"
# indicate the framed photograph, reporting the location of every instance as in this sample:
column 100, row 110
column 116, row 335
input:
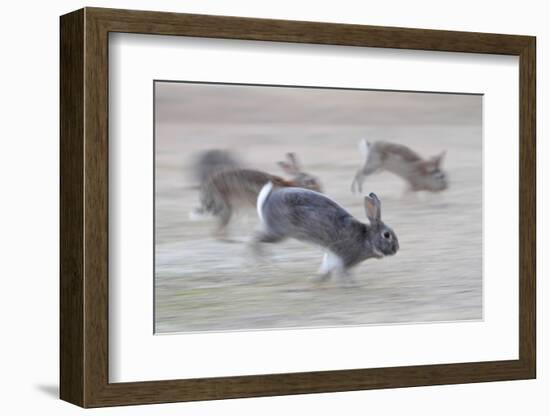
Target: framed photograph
column 254, row 207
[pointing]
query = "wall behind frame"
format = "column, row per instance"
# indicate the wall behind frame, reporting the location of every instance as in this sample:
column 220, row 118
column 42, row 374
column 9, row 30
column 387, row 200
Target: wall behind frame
column 29, row 210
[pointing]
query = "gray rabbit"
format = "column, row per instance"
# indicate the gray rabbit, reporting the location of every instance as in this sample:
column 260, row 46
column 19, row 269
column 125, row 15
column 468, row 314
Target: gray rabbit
column 420, row 174
column 312, row 217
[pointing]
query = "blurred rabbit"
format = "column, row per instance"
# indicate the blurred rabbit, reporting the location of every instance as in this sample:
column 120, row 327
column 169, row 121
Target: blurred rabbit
column 226, row 190
column 312, row 217
column 210, row 162
column 420, row 174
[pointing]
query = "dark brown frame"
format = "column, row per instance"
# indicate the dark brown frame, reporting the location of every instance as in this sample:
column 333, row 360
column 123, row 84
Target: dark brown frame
column 84, row 208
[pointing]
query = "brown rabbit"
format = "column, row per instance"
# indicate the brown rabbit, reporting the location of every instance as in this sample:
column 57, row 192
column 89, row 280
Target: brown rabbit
column 420, row 174
column 227, row 190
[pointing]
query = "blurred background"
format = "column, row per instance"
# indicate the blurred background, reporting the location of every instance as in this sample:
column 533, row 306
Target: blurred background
column 204, row 284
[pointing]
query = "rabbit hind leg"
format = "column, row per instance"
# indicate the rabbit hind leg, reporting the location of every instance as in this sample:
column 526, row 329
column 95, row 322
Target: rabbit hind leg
column 261, row 238
column 224, row 215
column 368, row 169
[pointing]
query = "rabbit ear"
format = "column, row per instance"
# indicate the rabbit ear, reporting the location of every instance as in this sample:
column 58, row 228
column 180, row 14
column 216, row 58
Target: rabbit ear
column 287, row 167
column 372, row 208
column 291, row 167
column 427, row 166
column 439, row 158
column 293, row 161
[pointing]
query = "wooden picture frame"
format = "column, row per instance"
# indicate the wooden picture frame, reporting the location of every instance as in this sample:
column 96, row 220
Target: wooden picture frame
column 84, row 207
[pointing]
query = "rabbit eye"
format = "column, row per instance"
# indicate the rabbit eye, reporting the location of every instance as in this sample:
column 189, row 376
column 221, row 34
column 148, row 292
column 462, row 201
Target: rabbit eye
column 386, row 234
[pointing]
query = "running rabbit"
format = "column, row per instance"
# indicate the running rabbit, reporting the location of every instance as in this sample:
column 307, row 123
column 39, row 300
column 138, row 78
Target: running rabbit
column 420, row 174
column 227, row 190
column 312, row 217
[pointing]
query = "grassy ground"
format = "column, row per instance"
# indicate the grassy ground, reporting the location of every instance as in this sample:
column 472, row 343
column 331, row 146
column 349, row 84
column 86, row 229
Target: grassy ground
column 202, row 284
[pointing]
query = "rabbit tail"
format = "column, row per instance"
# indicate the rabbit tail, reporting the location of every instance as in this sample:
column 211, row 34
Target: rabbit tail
column 262, row 199
column 364, row 149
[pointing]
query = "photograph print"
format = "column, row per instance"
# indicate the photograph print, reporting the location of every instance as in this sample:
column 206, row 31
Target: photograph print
column 285, row 207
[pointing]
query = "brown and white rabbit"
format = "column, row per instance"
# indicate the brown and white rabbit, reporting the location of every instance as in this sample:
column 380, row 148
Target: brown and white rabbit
column 314, row 218
column 227, row 190
column 420, row 174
